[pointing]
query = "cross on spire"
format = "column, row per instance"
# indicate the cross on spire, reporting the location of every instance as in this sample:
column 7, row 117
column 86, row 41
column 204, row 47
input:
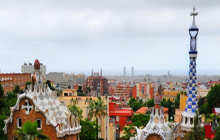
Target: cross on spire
column 194, row 13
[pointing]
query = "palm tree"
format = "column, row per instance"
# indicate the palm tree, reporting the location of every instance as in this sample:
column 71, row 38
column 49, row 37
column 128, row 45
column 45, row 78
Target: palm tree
column 197, row 132
column 97, row 109
column 75, row 110
column 29, row 132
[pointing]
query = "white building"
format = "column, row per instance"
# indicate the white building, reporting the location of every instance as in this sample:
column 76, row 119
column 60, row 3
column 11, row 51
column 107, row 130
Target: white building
column 29, row 68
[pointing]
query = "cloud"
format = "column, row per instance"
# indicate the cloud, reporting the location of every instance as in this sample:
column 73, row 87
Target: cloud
column 85, row 29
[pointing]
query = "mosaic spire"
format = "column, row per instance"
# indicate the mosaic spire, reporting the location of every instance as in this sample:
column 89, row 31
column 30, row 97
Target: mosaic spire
column 191, row 103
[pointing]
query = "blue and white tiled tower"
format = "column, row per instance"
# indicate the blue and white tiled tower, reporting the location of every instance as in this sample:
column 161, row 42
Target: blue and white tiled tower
column 191, row 103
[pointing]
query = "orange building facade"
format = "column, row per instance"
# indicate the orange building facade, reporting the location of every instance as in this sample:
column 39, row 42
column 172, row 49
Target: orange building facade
column 144, row 90
column 98, row 83
column 9, row 80
column 123, row 91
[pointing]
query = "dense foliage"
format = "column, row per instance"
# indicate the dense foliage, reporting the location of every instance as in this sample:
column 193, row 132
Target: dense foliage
column 80, row 91
column 140, row 120
column 1, row 90
column 171, row 107
column 2, row 135
column 217, row 134
column 213, row 98
column 137, row 104
column 150, row 103
column 177, row 101
column 5, row 103
column 88, row 130
column 206, row 104
column 17, row 90
column 129, row 132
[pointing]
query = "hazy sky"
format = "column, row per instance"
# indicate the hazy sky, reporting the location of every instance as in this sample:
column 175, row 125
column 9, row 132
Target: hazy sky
column 78, row 35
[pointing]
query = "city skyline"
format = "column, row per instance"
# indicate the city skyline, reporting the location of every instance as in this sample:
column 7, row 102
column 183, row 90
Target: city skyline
column 74, row 36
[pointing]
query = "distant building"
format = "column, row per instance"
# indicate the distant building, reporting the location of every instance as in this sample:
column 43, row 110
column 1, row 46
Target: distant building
column 170, row 94
column 69, row 92
column 123, row 91
column 29, row 68
column 124, row 71
column 144, row 91
column 132, row 71
column 57, row 77
column 178, row 112
column 9, row 80
column 98, row 85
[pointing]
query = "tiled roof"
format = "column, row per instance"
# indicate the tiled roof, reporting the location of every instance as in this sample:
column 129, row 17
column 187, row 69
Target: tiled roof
column 142, row 110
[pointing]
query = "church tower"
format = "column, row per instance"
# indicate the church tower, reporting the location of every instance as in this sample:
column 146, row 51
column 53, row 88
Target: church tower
column 191, row 103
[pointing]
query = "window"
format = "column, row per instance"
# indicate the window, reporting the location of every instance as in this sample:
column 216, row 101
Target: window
column 65, row 94
column 39, row 124
column 70, row 94
column 19, row 122
column 186, row 120
column 191, row 121
column 117, row 118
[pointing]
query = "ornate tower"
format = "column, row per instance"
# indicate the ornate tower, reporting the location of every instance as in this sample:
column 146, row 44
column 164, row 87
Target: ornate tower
column 157, row 127
column 191, row 103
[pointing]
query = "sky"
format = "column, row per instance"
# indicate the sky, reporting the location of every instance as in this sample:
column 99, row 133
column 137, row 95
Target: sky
column 76, row 36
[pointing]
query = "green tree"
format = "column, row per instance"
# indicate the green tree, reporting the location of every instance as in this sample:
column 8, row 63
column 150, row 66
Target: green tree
column 150, row 103
column 29, row 131
column 217, row 134
column 129, row 132
column 97, row 109
column 27, row 83
column 177, row 101
column 197, row 132
column 75, row 110
column 136, row 104
column 88, row 130
column 1, row 90
column 213, row 98
column 11, row 95
column 131, row 101
column 140, row 120
column 88, row 89
column 17, row 89
column 203, row 106
column 3, row 105
column 171, row 109
column 204, row 109
column 49, row 85
column 80, row 91
column 163, row 102
column 2, row 125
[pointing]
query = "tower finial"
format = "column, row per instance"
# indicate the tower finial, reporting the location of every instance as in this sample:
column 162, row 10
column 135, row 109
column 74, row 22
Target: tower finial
column 194, row 13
